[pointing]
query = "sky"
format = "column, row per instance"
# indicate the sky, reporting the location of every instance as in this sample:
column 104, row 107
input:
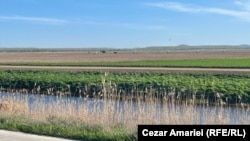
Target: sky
column 123, row 23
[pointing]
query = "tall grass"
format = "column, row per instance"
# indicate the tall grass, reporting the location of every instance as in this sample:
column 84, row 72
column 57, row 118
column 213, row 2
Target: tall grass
column 108, row 119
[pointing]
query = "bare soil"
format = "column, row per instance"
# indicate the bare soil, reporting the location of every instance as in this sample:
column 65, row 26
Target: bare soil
column 119, row 56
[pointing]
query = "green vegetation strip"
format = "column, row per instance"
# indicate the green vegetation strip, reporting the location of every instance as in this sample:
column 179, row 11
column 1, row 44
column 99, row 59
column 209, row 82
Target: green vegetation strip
column 202, row 63
column 230, row 88
column 57, row 127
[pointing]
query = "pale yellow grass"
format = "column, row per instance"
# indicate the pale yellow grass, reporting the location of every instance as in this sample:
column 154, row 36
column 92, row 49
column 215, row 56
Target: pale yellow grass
column 107, row 115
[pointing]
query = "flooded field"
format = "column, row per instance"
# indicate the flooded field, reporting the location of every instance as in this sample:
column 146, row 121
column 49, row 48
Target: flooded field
column 114, row 112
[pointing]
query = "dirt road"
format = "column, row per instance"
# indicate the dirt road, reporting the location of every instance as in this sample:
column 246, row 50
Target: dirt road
column 129, row 69
column 18, row 136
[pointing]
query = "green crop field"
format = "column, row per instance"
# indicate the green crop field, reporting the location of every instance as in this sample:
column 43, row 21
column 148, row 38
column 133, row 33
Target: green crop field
column 228, row 88
column 209, row 63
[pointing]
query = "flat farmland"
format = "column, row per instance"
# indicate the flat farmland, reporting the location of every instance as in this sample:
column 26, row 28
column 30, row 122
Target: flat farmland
column 118, row 56
column 174, row 61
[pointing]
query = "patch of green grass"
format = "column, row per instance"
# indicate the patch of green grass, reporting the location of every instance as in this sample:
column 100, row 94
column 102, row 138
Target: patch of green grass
column 57, row 127
column 208, row 63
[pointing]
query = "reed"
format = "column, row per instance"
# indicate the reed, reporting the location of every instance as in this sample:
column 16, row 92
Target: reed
column 115, row 117
column 230, row 89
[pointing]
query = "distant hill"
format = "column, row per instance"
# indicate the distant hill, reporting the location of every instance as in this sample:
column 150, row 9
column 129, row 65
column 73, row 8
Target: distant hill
column 245, row 45
column 200, row 47
column 181, row 47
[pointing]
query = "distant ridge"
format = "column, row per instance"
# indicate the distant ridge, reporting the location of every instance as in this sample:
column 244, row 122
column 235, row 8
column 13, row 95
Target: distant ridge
column 199, row 47
column 245, row 45
column 181, row 47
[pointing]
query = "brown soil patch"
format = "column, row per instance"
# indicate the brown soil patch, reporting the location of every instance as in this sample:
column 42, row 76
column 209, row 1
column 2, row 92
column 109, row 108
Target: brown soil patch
column 119, row 56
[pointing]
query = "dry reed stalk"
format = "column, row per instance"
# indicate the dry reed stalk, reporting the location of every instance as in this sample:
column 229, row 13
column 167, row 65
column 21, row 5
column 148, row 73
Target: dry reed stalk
column 10, row 106
column 106, row 114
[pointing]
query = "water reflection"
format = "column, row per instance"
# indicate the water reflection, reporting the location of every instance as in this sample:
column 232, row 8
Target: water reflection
column 199, row 114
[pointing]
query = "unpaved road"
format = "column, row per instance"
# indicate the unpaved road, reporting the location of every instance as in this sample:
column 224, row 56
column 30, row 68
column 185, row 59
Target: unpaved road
column 129, row 69
column 18, row 136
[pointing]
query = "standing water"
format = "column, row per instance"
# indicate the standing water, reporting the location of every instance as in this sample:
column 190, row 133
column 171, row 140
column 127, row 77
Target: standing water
column 129, row 112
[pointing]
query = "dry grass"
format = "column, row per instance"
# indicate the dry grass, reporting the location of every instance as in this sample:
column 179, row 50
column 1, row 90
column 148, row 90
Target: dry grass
column 9, row 106
column 106, row 113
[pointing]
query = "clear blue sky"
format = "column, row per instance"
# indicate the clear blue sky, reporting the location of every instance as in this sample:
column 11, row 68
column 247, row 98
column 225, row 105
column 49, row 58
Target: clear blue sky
column 123, row 23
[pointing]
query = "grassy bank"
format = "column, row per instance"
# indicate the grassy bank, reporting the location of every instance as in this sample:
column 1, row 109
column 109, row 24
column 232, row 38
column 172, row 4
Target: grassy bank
column 201, row 63
column 61, row 128
column 60, row 120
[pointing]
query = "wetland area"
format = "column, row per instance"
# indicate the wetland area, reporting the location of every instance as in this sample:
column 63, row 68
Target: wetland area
column 64, row 95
